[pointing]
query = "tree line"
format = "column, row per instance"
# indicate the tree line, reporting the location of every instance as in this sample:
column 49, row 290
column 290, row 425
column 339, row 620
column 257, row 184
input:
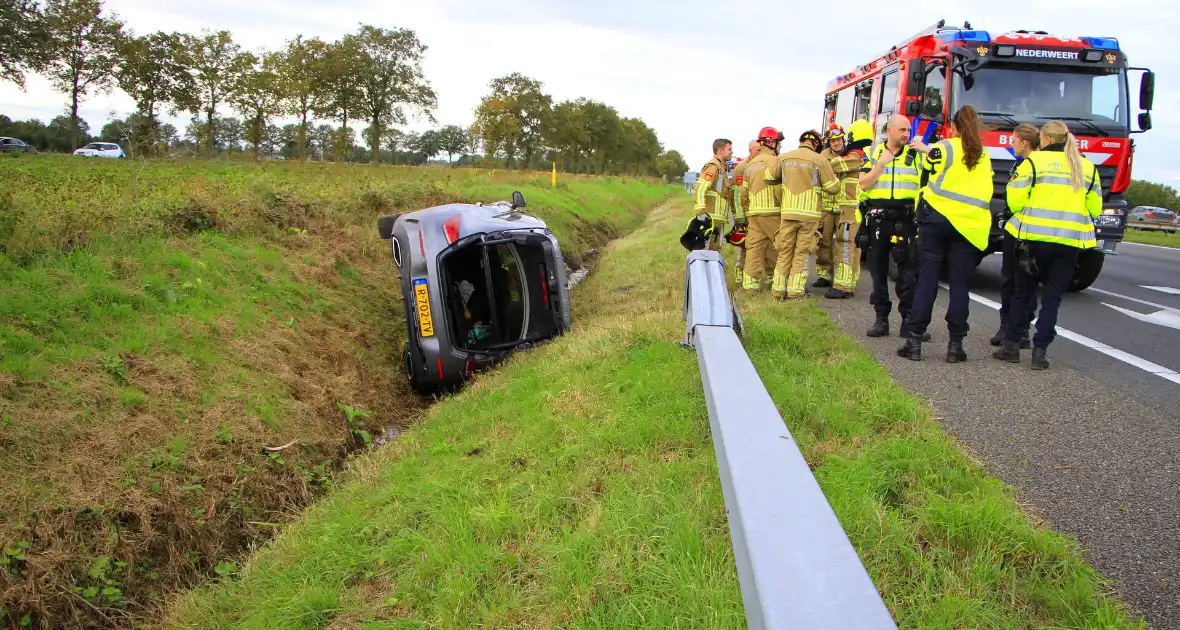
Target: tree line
column 371, row 77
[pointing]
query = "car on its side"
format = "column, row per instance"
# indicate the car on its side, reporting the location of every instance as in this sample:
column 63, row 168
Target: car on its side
column 1151, row 214
column 478, row 283
column 14, row 145
column 101, row 149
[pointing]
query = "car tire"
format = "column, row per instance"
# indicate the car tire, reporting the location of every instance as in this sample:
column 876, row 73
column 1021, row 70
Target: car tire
column 1086, row 272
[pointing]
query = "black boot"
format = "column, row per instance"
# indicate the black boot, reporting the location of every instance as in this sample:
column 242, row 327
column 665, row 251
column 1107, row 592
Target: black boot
column 880, row 328
column 905, row 331
column 1025, row 343
column 955, row 352
column 911, row 349
column 837, row 294
column 1039, row 360
column 821, row 283
column 1008, row 351
column 998, row 338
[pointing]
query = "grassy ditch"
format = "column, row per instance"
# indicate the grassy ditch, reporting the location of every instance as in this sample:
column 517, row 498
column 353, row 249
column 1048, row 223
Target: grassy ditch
column 576, row 488
column 1149, row 237
column 162, row 324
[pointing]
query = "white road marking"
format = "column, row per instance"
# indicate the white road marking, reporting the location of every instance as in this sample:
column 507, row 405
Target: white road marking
column 1167, row 317
column 1171, row 290
column 1126, row 297
column 1093, row 344
column 1173, row 249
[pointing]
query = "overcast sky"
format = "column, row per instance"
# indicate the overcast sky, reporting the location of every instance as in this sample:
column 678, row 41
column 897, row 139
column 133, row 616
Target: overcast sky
column 692, row 70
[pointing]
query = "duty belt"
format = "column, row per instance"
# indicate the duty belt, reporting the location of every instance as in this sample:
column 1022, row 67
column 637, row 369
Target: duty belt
column 888, row 209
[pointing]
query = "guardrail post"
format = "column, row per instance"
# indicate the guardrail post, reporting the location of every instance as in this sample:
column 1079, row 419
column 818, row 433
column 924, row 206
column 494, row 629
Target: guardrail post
column 796, row 566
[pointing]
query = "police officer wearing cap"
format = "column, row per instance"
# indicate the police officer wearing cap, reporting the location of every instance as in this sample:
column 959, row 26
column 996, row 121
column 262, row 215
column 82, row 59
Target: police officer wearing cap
column 889, row 183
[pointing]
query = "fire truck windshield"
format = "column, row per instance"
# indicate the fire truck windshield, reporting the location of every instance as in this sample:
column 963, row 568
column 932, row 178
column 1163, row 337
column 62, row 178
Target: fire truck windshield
column 1022, row 93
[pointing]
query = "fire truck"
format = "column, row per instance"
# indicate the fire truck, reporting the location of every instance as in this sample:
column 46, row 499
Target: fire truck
column 1018, row 77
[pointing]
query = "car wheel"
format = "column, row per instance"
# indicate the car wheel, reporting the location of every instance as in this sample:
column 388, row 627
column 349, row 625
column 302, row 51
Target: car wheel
column 1086, row 272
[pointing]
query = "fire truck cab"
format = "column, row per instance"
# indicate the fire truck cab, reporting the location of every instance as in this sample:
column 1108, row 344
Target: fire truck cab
column 1019, row 77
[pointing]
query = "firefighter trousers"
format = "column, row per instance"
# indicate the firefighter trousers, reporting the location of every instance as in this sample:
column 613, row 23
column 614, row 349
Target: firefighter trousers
column 847, row 256
column 828, row 252
column 760, row 249
column 797, row 240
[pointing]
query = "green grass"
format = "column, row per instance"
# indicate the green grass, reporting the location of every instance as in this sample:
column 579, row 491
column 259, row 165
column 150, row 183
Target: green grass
column 160, row 323
column 1149, row 237
column 576, row 487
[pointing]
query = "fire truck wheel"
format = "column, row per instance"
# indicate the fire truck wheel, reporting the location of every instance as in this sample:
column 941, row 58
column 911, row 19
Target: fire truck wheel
column 1087, row 270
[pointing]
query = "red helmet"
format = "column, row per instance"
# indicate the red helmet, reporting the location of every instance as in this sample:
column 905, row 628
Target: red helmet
column 834, row 131
column 770, row 134
column 737, row 236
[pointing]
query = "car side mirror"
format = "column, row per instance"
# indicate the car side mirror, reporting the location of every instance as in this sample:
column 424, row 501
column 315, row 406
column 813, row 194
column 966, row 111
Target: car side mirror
column 1145, row 121
column 1146, row 91
column 517, row 199
column 385, row 226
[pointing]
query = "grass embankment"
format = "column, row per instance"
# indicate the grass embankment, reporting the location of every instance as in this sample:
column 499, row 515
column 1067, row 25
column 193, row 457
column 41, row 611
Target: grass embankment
column 576, row 487
column 1149, row 237
column 161, row 323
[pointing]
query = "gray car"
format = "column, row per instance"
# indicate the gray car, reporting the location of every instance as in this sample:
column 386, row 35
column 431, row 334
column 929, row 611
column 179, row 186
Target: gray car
column 478, row 282
column 14, row 145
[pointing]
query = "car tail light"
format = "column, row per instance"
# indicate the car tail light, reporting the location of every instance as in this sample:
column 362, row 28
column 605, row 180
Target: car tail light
column 544, row 286
column 422, row 243
column 451, row 229
column 440, row 372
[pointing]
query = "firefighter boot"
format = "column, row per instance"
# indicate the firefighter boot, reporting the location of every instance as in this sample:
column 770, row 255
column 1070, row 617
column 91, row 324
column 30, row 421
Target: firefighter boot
column 821, row 283
column 1039, row 360
column 911, row 349
column 1008, row 351
column 905, row 331
column 880, row 328
column 955, row 352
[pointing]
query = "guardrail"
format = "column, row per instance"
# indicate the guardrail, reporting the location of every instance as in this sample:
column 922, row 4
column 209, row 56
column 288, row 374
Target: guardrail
column 796, row 566
column 1154, row 227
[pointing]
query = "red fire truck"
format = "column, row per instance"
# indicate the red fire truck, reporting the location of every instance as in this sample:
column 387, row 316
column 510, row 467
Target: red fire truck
column 1014, row 78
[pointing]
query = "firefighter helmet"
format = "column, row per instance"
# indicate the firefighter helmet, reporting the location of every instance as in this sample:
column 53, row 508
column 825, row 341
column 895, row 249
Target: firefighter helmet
column 698, row 232
column 811, row 137
column 834, row 131
column 737, row 236
column 861, row 130
column 770, row 134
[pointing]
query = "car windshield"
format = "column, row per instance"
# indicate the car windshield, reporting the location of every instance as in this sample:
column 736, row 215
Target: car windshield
column 1034, row 94
column 96, row 147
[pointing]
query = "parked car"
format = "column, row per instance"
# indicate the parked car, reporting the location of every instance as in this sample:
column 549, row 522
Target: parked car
column 1151, row 213
column 478, row 283
column 13, row 145
column 101, row 149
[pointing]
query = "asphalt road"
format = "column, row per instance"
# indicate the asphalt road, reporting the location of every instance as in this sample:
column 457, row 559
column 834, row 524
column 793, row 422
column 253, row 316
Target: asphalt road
column 1092, row 444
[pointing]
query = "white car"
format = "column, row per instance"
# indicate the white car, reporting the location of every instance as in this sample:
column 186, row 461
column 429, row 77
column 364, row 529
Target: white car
column 101, row 149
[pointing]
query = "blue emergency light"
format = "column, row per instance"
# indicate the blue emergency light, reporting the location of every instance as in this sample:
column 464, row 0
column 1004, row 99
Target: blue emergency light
column 1102, row 43
column 981, row 37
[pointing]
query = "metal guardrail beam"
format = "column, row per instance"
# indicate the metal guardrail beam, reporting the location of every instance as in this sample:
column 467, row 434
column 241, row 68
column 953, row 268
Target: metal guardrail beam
column 1153, row 227
column 796, row 566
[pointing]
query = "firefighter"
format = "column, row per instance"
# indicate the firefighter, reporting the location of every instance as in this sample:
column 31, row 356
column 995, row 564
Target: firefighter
column 1025, row 139
column 954, row 222
column 738, row 203
column 834, row 138
column 762, row 208
column 713, row 192
column 1054, row 197
column 799, row 176
column 890, row 182
column 846, row 216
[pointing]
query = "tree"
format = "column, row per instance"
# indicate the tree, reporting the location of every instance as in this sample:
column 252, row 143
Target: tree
column 83, row 47
column 391, row 79
column 1145, row 193
column 452, row 139
column 393, row 139
column 150, row 71
column 299, row 68
column 428, row 144
column 215, row 65
column 512, row 118
column 321, row 139
column 671, row 165
column 341, row 96
column 23, row 40
column 256, row 96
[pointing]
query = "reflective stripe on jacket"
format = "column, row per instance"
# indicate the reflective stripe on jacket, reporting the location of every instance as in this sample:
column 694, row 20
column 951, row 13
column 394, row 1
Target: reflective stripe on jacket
column 960, row 194
column 758, row 195
column 801, row 175
column 712, row 192
column 899, row 180
column 1045, row 207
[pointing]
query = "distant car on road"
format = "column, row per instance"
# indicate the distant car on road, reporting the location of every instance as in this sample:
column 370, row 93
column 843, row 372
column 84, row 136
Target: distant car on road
column 101, row 149
column 478, row 282
column 13, row 145
column 1152, row 214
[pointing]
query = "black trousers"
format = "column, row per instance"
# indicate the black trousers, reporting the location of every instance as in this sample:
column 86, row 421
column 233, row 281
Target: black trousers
column 941, row 246
column 1008, row 286
column 881, row 248
column 1055, row 267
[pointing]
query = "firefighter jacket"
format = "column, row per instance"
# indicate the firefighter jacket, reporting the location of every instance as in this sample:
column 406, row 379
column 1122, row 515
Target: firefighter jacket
column 847, row 169
column 801, row 175
column 1045, row 205
column 759, row 196
column 960, row 194
column 899, row 181
column 829, row 201
column 712, row 192
column 737, row 202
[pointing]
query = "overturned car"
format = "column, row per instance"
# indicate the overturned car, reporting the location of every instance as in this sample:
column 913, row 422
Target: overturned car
column 478, row 282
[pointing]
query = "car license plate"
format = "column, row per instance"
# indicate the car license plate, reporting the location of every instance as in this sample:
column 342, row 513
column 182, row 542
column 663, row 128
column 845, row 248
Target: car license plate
column 422, row 297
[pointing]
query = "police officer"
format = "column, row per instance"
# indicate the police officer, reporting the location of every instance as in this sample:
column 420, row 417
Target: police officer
column 846, row 217
column 1054, row 197
column 738, row 203
column 762, row 208
column 954, row 222
column 824, row 268
column 712, row 193
column 1026, row 138
column 890, row 183
column 800, row 176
